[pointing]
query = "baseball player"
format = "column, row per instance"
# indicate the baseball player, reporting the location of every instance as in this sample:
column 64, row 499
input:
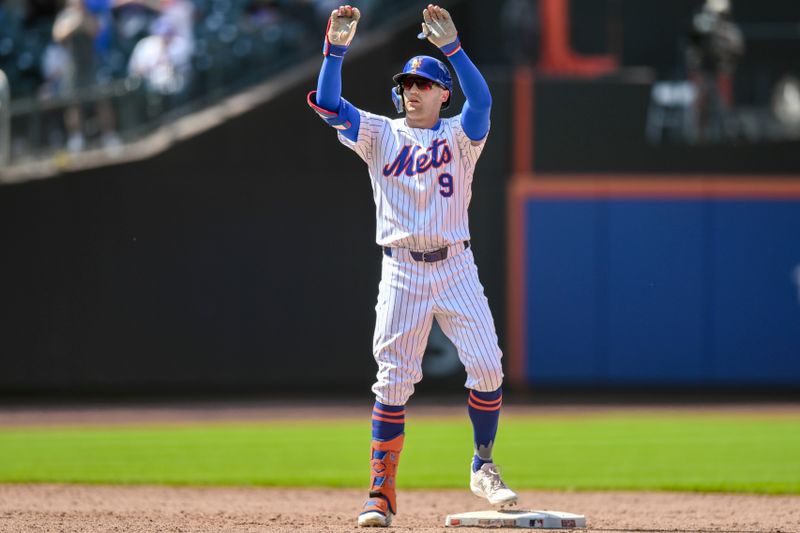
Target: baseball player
column 421, row 168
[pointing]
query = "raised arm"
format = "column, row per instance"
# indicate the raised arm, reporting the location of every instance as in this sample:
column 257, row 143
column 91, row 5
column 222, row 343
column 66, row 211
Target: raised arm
column 439, row 29
column 327, row 100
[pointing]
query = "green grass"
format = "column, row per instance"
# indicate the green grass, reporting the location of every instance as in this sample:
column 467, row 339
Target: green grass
column 696, row 452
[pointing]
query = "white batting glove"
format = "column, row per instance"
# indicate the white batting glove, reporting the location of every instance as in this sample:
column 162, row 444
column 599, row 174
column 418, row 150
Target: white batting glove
column 342, row 25
column 438, row 27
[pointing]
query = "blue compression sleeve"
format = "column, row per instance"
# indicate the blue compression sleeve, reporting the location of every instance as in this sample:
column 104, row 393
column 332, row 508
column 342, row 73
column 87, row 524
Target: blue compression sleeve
column 329, row 84
column 475, row 113
column 329, row 94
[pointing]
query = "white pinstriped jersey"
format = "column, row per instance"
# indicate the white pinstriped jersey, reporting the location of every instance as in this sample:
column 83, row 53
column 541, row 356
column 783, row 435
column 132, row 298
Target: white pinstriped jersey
column 421, row 180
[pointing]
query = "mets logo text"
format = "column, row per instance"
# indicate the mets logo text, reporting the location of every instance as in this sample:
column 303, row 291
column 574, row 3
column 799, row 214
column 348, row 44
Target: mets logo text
column 413, row 159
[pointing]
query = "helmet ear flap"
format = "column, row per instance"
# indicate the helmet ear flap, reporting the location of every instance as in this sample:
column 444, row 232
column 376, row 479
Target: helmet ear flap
column 397, row 98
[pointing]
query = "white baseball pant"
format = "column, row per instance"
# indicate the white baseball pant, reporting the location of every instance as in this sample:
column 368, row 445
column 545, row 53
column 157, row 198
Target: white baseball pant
column 410, row 295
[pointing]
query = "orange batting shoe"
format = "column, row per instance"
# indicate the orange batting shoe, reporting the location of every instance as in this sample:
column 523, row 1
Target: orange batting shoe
column 382, row 503
column 376, row 513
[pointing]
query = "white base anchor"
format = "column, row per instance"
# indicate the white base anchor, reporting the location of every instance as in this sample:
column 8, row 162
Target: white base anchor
column 517, row 518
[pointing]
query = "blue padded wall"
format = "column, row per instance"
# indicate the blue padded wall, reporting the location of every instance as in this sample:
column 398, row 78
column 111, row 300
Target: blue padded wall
column 662, row 292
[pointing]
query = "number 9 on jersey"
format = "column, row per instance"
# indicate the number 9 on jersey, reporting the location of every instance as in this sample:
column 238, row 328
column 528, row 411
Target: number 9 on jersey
column 446, row 184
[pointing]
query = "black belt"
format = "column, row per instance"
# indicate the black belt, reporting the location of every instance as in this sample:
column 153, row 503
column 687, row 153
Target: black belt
column 426, row 257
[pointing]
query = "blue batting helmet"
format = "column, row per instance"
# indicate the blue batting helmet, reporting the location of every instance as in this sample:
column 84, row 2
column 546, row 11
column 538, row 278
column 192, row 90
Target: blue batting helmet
column 425, row 67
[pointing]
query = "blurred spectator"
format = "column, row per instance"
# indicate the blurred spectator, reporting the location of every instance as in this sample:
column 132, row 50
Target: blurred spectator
column 715, row 46
column 133, row 19
column 180, row 16
column 75, row 29
column 58, row 71
column 162, row 60
column 104, row 41
column 132, row 22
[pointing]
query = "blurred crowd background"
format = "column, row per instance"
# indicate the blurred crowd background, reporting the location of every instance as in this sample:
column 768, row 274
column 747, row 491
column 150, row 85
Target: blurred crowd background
column 90, row 73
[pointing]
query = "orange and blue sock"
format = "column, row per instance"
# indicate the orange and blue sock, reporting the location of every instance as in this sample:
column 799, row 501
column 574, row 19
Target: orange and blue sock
column 388, row 421
column 484, row 411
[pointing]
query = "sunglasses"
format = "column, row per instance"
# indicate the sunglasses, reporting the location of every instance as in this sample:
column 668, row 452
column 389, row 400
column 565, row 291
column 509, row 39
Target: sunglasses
column 421, row 83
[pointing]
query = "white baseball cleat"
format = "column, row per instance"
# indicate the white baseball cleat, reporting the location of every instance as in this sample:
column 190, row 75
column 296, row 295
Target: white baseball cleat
column 374, row 519
column 488, row 484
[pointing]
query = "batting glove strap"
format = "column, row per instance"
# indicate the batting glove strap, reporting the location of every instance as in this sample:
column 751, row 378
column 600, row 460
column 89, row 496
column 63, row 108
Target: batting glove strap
column 452, row 48
column 336, row 119
column 335, row 50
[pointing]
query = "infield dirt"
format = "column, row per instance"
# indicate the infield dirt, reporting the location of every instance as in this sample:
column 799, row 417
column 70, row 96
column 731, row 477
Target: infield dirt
column 70, row 508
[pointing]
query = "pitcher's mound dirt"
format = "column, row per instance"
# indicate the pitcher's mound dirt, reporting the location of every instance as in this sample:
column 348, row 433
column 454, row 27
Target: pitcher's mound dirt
column 65, row 508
